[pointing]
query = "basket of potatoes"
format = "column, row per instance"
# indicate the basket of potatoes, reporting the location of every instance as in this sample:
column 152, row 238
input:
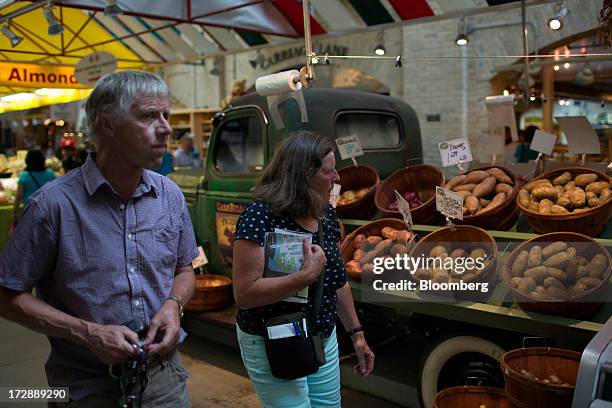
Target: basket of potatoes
column 417, row 184
column 574, row 199
column 381, row 238
column 359, row 184
column 477, row 250
column 490, row 193
column 561, row 273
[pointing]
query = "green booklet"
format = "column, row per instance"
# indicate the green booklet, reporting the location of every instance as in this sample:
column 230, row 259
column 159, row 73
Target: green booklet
column 284, row 254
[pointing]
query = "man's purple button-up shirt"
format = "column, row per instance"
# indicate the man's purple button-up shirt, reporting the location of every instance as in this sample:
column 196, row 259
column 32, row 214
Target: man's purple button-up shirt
column 93, row 256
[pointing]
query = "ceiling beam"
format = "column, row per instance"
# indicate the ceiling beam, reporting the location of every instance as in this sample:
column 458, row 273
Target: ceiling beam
column 78, row 32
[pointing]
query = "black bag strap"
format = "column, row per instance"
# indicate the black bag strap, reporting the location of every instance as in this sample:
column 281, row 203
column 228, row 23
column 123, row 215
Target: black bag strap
column 318, row 297
column 34, row 179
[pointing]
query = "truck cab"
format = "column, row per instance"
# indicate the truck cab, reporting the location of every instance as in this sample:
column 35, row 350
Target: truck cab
column 243, row 140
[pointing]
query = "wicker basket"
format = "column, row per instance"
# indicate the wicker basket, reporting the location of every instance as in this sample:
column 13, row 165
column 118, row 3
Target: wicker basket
column 591, row 222
column 502, row 217
column 471, row 397
column 355, row 178
column 421, row 178
column 211, row 292
column 523, row 392
column 579, row 306
column 467, row 237
column 372, row 228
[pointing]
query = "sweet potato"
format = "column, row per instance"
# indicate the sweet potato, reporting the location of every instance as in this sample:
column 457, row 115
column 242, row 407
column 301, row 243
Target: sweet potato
column 398, row 249
column 472, row 204
column 520, row 264
column 367, row 269
column 358, row 241
column 475, row 176
column 484, row 202
column 505, row 188
column 590, row 281
column 464, row 193
column 455, row 181
column 464, row 187
column 597, row 187
column 535, row 257
column 554, row 248
column 562, row 179
column 500, row 175
column 353, row 268
column 577, row 289
column 498, row 200
column 404, row 236
column 571, row 269
column 369, row 256
column 485, row 187
column 384, row 246
column 558, row 210
column 585, row 179
column 524, row 197
column 536, row 184
column 390, row 233
column 545, row 192
column 358, row 254
column 578, row 198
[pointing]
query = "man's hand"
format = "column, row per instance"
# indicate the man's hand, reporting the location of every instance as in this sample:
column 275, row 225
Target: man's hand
column 111, row 344
column 163, row 334
column 364, row 355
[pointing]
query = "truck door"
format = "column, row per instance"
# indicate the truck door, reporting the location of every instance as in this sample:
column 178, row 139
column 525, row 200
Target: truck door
column 236, row 158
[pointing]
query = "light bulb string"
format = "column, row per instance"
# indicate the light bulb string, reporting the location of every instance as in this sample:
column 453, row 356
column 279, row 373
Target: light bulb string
column 543, row 56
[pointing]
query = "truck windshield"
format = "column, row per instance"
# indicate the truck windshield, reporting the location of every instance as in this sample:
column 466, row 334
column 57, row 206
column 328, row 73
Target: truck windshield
column 239, row 146
column 375, row 130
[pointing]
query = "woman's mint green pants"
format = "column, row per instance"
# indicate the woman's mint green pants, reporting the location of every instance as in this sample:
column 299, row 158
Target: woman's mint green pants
column 321, row 389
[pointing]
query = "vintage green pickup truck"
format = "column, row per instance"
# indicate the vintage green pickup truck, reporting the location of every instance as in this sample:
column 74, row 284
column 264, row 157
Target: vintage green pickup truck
column 421, row 347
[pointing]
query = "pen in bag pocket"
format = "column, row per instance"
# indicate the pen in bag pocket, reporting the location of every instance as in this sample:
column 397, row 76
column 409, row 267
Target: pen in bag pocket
column 304, row 327
column 296, row 328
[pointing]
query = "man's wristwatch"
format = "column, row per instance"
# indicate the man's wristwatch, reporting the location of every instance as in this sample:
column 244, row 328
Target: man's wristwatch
column 179, row 303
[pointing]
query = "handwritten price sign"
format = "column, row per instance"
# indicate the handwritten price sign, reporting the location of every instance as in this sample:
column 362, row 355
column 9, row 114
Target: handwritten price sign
column 449, row 203
column 404, row 209
column 349, row 147
column 455, row 151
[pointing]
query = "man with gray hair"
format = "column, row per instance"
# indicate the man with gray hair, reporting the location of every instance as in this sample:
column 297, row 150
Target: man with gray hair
column 108, row 248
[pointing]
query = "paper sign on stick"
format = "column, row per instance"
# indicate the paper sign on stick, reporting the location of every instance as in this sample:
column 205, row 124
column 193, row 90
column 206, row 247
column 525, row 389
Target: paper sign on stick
column 543, row 142
column 449, row 203
column 455, row 151
column 335, row 193
column 404, row 209
column 581, row 137
column 500, row 113
column 349, row 147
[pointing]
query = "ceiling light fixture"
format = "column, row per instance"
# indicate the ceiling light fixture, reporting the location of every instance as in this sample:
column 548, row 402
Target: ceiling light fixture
column 112, row 9
column 556, row 68
column 259, row 60
column 462, row 30
column 215, row 68
column 380, row 47
column 55, row 27
column 556, row 21
column 10, row 35
column 585, row 76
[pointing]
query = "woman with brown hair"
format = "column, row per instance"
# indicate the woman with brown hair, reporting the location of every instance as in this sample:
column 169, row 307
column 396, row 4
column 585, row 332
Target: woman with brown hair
column 293, row 194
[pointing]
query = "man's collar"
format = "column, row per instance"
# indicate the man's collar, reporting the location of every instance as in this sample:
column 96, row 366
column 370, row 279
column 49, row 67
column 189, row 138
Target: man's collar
column 93, row 179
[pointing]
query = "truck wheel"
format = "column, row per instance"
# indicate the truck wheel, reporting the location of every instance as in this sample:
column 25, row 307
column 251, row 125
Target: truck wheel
column 458, row 358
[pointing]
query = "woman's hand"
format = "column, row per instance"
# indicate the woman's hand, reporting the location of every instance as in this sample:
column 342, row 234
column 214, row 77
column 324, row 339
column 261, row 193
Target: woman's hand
column 364, row 355
column 314, row 262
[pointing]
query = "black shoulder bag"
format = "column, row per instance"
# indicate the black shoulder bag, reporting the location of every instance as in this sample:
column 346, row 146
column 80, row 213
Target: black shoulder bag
column 295, row 348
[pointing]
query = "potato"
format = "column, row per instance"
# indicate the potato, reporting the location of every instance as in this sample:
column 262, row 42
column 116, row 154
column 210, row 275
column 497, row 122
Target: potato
column 578, row 198
column 398, row 249
column 550, row 281
column 358, row 254
column 590, row 282
column 389, row 233
column 505, row 188
column 367, row 269
column 458, row 253
column 558, row 210
column 557, row 274
column 485, row 187
column 423, row 273
column 572, row 252
column 440, row 276
column 597, row 266
column 572, row 270
column 475, row 176
column 539, row 273
column 520, row 264
column 583, row 271
column 557, row 260
column 472, row 204
column 498, row 200
column 384, row 246
column 545, row 192
column 500, row 175
column 524, row 197
column 484, row 202
column 370, row 242
column 592, row 199
column 515, row 281
column 464, row 187
column 605, row 195
column 353, row 268
column 560, row 190
column 526, row 285
column 455, row 181
column 478, row 253
column 369, row 256
column 597, row 187
column 570, row 186
column 579, row 210
column 555, row 379
column 437, row 251
column 535, row 257
column 585, row 179
column 554, row 248
column 358, row 241
column 537, row 183
column 527, row 374
column 533, row 205
column 562, row 179
column 564, row 200
column 404, row 236
column 556, row 292
column 577, row 289
column 544, row 206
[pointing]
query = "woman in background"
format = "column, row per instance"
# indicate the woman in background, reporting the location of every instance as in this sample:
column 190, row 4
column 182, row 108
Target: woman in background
column 31, row 179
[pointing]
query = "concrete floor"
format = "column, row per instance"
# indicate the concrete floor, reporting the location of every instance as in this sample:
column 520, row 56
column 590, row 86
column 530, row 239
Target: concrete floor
column 217, row 377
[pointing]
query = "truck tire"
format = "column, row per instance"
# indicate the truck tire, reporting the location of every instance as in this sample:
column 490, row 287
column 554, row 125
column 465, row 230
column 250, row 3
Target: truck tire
column 441, row 353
